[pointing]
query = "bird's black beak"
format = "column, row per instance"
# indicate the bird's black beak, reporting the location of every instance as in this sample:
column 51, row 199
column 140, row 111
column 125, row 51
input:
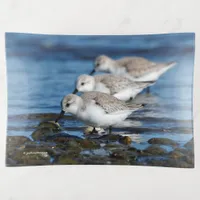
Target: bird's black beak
column 75, row 91
column 92, row 72
column 60, row 116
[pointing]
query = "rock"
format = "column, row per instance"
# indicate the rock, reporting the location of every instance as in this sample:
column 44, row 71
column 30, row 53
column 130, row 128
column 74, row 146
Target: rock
column 181, row 154
column 178, row 163
column 54, row 126
column 42, row 133
column 10, row 162
column 73, row 152
column 153, row 162
column 13, row 142
column 110, row 137
column 125, row 140
column 31, row 157
column 132, row 149
column 93, row 160
column 162, row 141
column 119, row 155
column 41, row 146
column 62, row 138
column 113, row 146
column 154, row 150
column 115, row 161
column 67, row 160
column 88, row 144
column 177, row 153
column 190, row 144
column 17, row 140
column 189, row 160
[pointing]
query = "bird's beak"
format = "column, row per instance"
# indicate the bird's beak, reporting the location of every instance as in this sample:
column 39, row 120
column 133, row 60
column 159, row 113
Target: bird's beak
column 60, row 116
column 92, row 72
column 75, row 91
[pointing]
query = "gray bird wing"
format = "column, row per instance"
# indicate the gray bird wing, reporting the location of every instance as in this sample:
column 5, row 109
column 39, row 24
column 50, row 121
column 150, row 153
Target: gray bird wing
column 138, row 66
column 108, row 103
column 118, row 83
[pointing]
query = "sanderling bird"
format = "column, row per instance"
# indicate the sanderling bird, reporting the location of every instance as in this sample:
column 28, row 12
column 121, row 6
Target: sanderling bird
column 118, row 86
column 97, row 109
column 134, row 68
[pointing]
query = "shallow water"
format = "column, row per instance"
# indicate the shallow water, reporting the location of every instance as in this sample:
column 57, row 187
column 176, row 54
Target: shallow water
column 41, row 69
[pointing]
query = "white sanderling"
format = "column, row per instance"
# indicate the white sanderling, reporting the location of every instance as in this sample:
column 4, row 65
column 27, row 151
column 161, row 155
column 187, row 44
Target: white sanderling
column 134, row 68
column 97, row 109
column 118, row 86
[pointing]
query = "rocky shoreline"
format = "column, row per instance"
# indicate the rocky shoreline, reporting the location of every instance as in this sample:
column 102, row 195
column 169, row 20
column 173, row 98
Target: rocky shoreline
column 51, row 146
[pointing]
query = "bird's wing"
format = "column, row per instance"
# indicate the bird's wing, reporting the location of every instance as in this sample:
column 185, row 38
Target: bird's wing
column 108, row 103
column 132, row 63
column 118, row 83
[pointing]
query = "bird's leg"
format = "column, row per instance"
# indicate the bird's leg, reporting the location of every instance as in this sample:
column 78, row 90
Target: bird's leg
column 110, row 130
column 94, row 131
column 148, row 90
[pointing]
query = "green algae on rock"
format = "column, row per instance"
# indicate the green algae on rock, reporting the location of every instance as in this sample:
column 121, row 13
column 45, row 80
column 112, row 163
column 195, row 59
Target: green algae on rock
column 154, row 150
column 55, row 126
column 45, row 129
column 17, row 140
column 89, row 144
column 62, row 138
column 42, row 133
column 66, row 159
column 162, row 141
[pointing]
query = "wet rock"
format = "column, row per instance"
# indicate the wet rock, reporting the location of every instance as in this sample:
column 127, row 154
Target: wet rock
column 93, row 160
column 118, row 155
column 88, row 144
column 66, row 160
column 162, row 141
column 10, row 150
column 189, row 160
column 154, row 150
column 115, row 161
column 13, row 142
column 177, row 153
column 54, row 126
column 152, row 162
column 41, row 133
column 132, row 149
column 178, row 163
column 10, row 162
column 185, row 155
column 113, row 146
column 182, row 151
column 17, row 140
column 51, row 149
column 125, row 140
column 73, row 152
column 31, row 157
column 133, row 160
column 62, row 138
column 190, row 144
column 110, row 137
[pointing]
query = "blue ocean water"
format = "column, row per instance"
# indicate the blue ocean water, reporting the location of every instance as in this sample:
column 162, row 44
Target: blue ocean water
column 41, row 69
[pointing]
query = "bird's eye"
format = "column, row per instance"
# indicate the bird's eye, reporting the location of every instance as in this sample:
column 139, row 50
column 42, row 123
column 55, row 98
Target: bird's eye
column 67, row 105
column 82, row 83
column 97, row 64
